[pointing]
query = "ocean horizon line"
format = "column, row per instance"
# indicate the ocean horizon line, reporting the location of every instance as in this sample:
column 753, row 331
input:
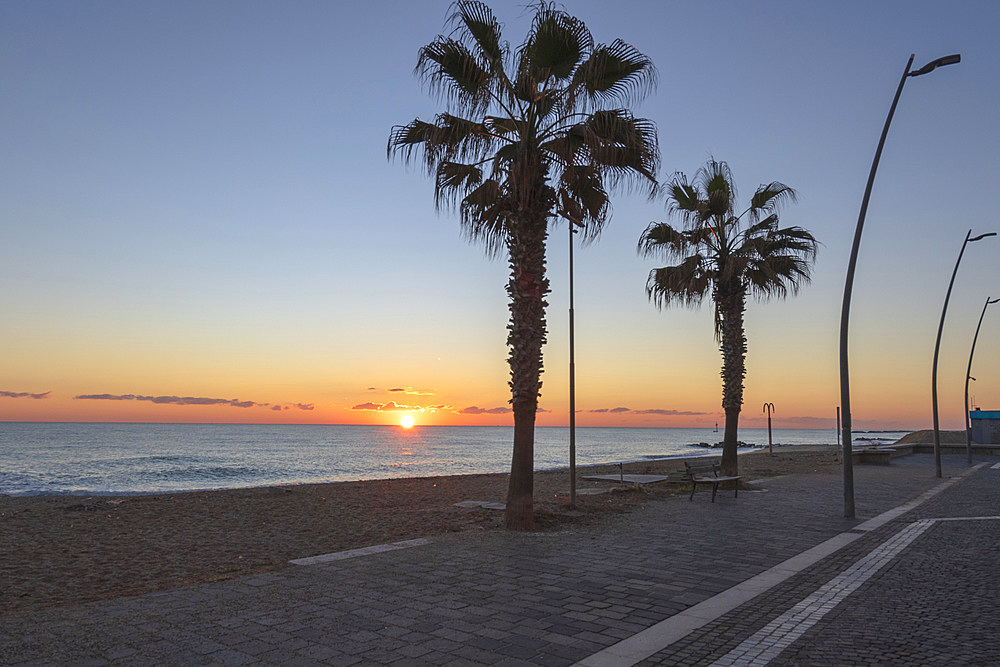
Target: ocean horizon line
column 421, row 426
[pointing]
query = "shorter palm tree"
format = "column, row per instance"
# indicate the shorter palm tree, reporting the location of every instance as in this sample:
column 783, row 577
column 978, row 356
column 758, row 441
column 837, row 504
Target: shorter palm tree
column 729, row 256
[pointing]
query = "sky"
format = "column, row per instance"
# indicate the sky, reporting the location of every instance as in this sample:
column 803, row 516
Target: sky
column 199, row 222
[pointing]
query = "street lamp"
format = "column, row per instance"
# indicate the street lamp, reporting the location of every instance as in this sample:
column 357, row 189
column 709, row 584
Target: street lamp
column 572, row 379
column 572, row 211
column 968, row 376
column 769, row 408
column 845, row 390
column 937, row 348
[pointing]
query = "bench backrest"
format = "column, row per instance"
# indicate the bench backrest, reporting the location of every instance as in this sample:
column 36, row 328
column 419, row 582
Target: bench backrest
column 702, row 467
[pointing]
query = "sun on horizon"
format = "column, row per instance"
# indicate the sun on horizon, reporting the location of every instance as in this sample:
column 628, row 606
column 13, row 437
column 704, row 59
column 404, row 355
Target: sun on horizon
column 406, row 421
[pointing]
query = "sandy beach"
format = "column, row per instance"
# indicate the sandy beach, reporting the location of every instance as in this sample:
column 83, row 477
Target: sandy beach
column 59, row 550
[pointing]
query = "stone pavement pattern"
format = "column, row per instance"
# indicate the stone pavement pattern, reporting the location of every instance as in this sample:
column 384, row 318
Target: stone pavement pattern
column 557, row 598
column 934, row 603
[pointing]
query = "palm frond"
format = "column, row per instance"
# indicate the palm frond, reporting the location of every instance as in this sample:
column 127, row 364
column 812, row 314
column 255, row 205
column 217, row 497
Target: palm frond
column 503, row 157
column 684, row 200
column 798, row 240
column 448, row 138
column 485, row 210
column 615, row 72
column 659, row 238
column 564, row 148
column 768, row 198
column 626, row 146
column 405, row 139
column 776, row 277
column 478, row 22
column 718, row 188
column 686, row 283
column 449, row 68
column 453, row 178
column 507, row 127
column 584, row 199
column 763, row 227
column 556, row 43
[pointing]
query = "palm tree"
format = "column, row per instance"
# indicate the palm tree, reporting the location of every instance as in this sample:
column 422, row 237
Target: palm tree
column 529, row 135
column 728, row 256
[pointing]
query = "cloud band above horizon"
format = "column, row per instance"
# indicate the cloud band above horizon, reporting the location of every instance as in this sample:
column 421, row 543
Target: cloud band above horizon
column 23, row 394
column 193, row 400
column 652, row 411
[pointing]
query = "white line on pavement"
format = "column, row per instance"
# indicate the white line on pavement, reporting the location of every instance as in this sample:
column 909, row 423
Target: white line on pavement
column 655, row 638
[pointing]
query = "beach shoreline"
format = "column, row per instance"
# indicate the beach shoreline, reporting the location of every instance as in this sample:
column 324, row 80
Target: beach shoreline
column 61, row 549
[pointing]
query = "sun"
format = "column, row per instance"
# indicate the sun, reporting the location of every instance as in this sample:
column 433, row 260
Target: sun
column 406, row 421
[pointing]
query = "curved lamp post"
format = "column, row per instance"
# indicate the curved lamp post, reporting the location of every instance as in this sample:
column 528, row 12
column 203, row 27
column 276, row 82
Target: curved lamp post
column 968, row 376
column 937, row 348
column 769, row 408
column 845, row 391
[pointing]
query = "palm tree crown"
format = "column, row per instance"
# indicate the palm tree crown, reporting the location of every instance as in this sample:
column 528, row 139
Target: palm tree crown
column 727, row 255
column 528, row 135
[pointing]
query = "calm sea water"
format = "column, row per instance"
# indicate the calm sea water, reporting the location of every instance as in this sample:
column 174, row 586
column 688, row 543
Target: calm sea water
column 62, row 458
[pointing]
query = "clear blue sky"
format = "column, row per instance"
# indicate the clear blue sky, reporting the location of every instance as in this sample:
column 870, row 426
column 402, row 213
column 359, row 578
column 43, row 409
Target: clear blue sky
column 195, row 200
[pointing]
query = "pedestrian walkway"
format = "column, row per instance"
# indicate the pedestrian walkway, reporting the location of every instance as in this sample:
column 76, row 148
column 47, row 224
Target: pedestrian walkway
column 776, row 576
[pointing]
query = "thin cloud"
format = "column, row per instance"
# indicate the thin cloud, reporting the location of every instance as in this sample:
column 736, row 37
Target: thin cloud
column 476, row 410
column 170, row 400
column 385, row 407
column 814, row 420
column 651, row 411
column 192, row 400
column 410, row 391
column 23, row 394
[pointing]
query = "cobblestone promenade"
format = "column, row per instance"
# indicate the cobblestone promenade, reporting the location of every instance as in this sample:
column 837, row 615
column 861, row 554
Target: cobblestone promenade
column 775, row 576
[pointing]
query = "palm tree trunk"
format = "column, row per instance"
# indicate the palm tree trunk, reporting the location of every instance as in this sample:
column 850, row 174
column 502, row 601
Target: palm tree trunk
column 730, row 462
column 730, row 304
column 527, row 289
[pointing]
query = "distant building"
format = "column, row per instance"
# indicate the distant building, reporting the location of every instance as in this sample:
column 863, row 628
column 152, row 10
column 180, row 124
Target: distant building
column 985, row 426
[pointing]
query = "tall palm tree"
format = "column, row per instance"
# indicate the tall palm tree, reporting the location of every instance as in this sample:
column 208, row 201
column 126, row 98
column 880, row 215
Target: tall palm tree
column 729, row 256
column 529, row 135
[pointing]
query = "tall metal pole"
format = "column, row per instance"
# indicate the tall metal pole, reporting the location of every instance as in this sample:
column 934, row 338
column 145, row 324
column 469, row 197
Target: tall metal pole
column 937, row 348
column 572, row 379
column 845, row 390
column 968, row 376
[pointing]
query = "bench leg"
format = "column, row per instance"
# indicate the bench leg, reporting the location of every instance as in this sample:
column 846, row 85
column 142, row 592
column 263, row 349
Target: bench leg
column 715, row 487
column 694, row 485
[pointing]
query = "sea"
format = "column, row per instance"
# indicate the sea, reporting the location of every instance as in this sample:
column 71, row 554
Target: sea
column 117, row 458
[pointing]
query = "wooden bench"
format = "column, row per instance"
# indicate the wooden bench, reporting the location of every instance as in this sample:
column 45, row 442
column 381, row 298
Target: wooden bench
column 707, row 472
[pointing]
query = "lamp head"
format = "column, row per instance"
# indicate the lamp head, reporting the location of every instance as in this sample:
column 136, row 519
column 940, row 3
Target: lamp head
column 989, row 301
column 940, row 62
column 982, row 236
